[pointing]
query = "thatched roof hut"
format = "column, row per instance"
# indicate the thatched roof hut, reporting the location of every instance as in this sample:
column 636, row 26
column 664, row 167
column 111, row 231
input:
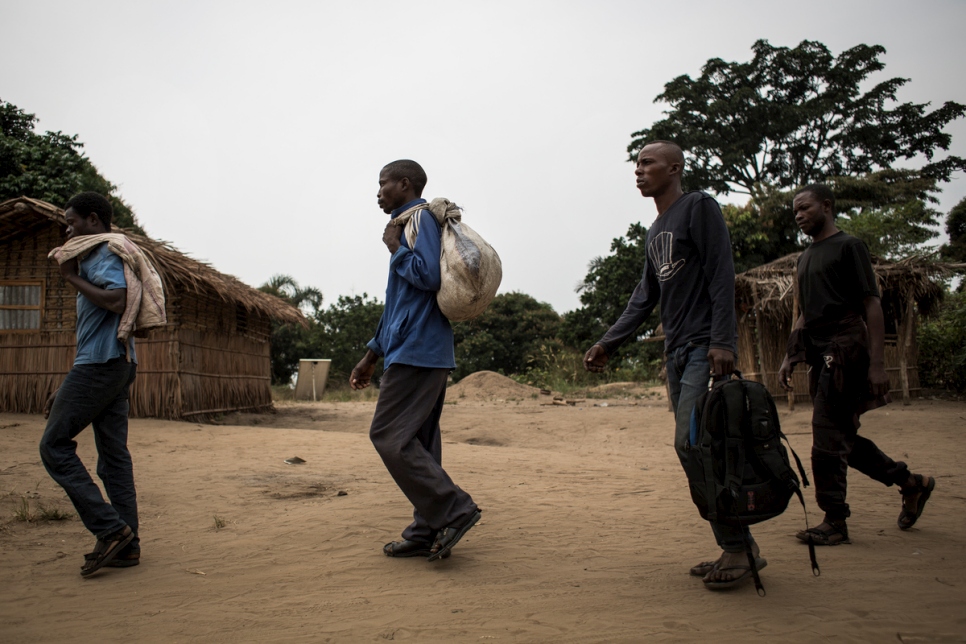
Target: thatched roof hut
column 212, row 357
column 767, row 306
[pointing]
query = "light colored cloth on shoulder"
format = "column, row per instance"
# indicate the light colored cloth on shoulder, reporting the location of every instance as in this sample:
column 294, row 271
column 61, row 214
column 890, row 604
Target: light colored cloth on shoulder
column 145, row 294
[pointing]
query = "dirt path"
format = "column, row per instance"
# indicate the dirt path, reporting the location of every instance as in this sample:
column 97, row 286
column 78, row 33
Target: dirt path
column 587, row 535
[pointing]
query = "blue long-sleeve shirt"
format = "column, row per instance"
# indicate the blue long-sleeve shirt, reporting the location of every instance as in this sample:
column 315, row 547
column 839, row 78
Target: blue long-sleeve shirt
column 689, row 270
column 412, row 329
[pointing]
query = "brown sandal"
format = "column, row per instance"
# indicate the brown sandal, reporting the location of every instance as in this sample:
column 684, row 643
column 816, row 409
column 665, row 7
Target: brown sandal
column 827, row 534
column 908, row 519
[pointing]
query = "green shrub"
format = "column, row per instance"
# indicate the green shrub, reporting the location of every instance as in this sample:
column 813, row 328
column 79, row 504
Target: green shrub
column 942, row 346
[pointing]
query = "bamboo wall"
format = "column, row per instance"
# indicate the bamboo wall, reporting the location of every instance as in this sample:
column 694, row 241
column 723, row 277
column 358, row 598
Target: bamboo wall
column 212, row 357
column 760, row 357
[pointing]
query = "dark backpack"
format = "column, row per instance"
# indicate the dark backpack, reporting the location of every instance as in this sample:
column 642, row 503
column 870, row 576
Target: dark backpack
column 738, row 470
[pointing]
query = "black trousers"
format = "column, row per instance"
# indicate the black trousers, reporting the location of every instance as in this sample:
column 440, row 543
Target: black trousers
column 405, row 433
column 837, row 446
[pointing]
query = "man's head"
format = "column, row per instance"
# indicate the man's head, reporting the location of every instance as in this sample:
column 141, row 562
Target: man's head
column 814, row 209
column 659, row 168
column 399, row 183
column 88, row 213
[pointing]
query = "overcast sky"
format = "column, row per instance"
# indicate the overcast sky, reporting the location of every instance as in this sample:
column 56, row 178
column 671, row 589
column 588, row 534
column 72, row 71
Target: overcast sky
column 251, row 134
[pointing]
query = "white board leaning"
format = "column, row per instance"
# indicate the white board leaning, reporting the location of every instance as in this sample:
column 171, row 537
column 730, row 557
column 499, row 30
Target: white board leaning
column 313, row 373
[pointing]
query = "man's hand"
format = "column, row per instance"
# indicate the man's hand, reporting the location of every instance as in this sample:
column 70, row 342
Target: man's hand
column 878, row 380
column 595, row 359
column 722, row 362
column 391, row 235
column 362, row 373
column 785, row 375
column 49, row 404
column 69, row 268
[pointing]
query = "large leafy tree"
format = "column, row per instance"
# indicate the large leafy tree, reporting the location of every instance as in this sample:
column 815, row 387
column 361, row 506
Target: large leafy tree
column 506, row 337
column 342, row 331
column 955, row 250
column 50, row 166
column 604, row 293
column 790, row 117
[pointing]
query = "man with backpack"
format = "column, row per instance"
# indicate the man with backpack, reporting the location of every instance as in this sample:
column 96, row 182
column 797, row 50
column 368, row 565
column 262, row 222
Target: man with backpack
column 416, row 341
column 840, row 335
column 690, row 272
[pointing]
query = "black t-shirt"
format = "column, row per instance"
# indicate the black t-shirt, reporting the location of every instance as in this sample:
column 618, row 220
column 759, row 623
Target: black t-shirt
column 834, row 277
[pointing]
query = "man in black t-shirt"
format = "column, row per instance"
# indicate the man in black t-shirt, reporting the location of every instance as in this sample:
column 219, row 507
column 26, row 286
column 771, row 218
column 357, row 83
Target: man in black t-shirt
column 840, row 335
column 690, row 271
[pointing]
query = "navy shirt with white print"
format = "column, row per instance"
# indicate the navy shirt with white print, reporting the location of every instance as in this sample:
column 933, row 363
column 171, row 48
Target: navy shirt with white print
column 690, row 271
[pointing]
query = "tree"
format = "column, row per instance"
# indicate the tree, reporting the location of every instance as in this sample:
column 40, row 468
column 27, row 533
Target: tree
column 790, row 117
column 290, row 342
column 604, row 293
column 506, row 337
column 955, row 250
column 307, row 299
column 50, row 166
column 342, row 331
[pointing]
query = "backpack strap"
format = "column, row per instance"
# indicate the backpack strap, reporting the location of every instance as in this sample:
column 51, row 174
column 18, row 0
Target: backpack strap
column 711, row 492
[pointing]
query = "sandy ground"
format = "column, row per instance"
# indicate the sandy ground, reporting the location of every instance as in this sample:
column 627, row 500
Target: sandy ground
column 587, row 535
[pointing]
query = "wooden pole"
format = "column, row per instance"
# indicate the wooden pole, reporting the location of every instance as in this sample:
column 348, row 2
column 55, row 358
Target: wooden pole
column 906, row 346
column 759, row 335
column 791, row 394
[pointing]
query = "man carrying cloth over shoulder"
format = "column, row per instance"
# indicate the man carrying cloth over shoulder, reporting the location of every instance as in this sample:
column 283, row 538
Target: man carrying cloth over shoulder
column 690, row 272
column 416, row 341
column 840, row 335
column 95, row 392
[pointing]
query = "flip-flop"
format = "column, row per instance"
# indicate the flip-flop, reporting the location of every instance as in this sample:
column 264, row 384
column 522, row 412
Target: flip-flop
column 908, row 519
column 407, row 548
column 704, row 568
column 760, row 563
column 106, row 550
column 449, row 537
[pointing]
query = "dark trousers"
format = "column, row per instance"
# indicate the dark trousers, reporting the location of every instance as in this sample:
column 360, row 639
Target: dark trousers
column 687, row 378
column 837, row 446
column 405, row 433
column 97, row 395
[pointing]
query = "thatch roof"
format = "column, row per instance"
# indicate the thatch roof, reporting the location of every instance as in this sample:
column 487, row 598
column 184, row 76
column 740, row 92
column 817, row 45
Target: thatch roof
column 773, row 283
column 23, row 216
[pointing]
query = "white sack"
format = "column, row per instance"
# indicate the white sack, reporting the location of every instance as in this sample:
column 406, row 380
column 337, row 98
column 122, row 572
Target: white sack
column 470, row 270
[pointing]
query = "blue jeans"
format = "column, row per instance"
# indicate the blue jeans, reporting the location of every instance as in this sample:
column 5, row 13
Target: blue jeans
column 688, row 374
column 94, row 394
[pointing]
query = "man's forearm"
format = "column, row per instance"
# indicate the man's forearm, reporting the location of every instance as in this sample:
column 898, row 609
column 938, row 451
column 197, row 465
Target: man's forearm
column 114, row 300
column 875, row 322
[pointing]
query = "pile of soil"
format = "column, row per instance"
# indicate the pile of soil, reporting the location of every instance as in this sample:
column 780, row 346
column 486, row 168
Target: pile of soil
column 627, row 390
column 489, row 385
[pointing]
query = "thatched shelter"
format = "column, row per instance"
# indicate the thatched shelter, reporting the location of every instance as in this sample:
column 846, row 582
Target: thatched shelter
column 212, row 357
column 767, row 306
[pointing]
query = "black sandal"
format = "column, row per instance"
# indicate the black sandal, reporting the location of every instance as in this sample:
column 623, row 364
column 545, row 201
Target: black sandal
column 407, row 548
column 908, row 519
column 828, row 534
column 449, row 537
column 106, row 550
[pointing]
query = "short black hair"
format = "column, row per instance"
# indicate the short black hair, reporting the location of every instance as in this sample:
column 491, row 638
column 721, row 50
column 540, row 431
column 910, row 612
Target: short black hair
column 676, row 153
column 820, row 191
column 407, row 169
column 86, row 204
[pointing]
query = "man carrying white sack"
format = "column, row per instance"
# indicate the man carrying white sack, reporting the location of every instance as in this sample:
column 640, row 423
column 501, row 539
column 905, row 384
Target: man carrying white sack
column 416, row 341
